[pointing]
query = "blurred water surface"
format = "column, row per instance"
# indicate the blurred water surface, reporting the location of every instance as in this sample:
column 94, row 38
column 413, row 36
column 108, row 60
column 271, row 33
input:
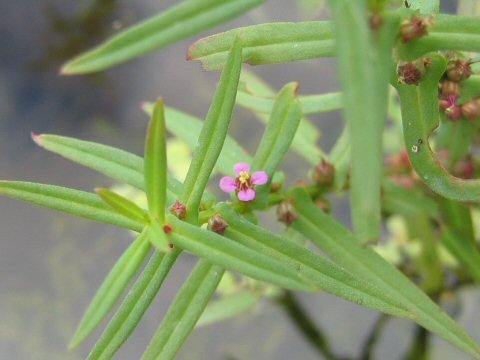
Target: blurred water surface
column 51, row 264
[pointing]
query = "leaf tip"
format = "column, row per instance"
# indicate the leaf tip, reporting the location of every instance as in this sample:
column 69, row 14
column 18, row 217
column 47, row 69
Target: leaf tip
column 37, row 138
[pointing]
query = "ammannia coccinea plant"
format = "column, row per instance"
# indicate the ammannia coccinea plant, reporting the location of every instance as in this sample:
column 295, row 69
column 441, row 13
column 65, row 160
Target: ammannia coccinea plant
column 405, row 69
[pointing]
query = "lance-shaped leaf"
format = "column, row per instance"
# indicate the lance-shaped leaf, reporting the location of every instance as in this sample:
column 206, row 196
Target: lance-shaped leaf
column 338, row 243
column 228, row 307
column 233, row 256
column 311, row 266
column 448, row 32
column 131, row 311
column 123, row 206
column 365, row 63
column 112, row 288
column 156, row 163
column 278, row 135
column 76, row 202
column 305, row 141
column 267, row 44
column 426, row 7
column 184, row 312
column 407, row 202
column 420, row 117
column 157, row 236
column 188, row 128
column 115, row 163
column 464, row 250
column 311, row 104
column 213, row 134
column 176, row 23
column 340, row 158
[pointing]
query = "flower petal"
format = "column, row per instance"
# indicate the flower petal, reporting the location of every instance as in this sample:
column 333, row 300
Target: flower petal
column 259, row 178
column 241, row 167
column 246, row 195
column 228, row 184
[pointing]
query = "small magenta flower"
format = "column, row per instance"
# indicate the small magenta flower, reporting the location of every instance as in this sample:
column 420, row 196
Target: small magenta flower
column 244, row 184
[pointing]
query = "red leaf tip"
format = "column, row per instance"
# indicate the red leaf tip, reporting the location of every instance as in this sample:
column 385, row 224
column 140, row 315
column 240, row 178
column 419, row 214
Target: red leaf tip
column 36, row 137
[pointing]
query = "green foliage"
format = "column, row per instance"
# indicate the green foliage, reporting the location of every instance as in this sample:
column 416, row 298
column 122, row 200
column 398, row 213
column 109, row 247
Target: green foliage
column 418, row 190
column 187, row 18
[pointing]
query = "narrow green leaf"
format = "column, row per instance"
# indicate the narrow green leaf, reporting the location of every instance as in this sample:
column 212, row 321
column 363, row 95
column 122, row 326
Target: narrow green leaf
column 338, row 243
column 233, row 256
column 188, row 128
column 420, row 117
column 267, row 44
column 305, row 141
column 340, row 158
column 176, row 23
column 115, row 163
column 407, row 202
column 278, row 136
column 213, row 134
column 426, row 7
column 448, row 33
column 112, row 288
column 311, row 104
column 123, row 206
column 138, row 299
column 464, row 251
column 365, row 64
column 156, row 163
column 184, row 312
column 311, row 266
column 76, row 202
column 458, row 218
column 157, row 236
column 228, row 307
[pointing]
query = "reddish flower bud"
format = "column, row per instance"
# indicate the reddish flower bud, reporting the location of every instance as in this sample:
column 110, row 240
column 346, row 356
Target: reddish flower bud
column 410, row 74
column 301, row 183
column 471, row 109
column 286, row 212
column 323, row 174
column 217, row 224
column 454, row 112
column 323, row 204
column 450, row 89
column 465, row 169
column 459, row 70
column 414, row 27
column 167, row 229
column 179, row 210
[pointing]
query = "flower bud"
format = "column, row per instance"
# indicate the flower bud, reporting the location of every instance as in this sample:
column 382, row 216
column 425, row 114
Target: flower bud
column 414, row 27
column 217, row 224
column 471, row 109
column 465, row 169
column 454, row 112
column 286, row 212
column 459, row 70
column 323, row 204
column 410, row 74
column 179, row 210
column 323, row 174
column 450, row 89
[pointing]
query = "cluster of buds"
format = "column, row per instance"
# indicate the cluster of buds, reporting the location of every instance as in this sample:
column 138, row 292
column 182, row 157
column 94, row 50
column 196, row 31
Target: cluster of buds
column 414, row 28
column 450, row 90
column 179, row 210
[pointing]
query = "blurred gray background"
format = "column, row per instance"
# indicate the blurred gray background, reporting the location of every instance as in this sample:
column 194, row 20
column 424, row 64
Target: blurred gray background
column 51, row 264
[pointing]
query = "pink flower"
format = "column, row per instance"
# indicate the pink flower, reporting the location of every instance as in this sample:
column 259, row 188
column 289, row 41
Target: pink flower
column 244, row 184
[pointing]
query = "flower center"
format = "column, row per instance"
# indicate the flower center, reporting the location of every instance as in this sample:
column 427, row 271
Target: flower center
column 244, row 181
